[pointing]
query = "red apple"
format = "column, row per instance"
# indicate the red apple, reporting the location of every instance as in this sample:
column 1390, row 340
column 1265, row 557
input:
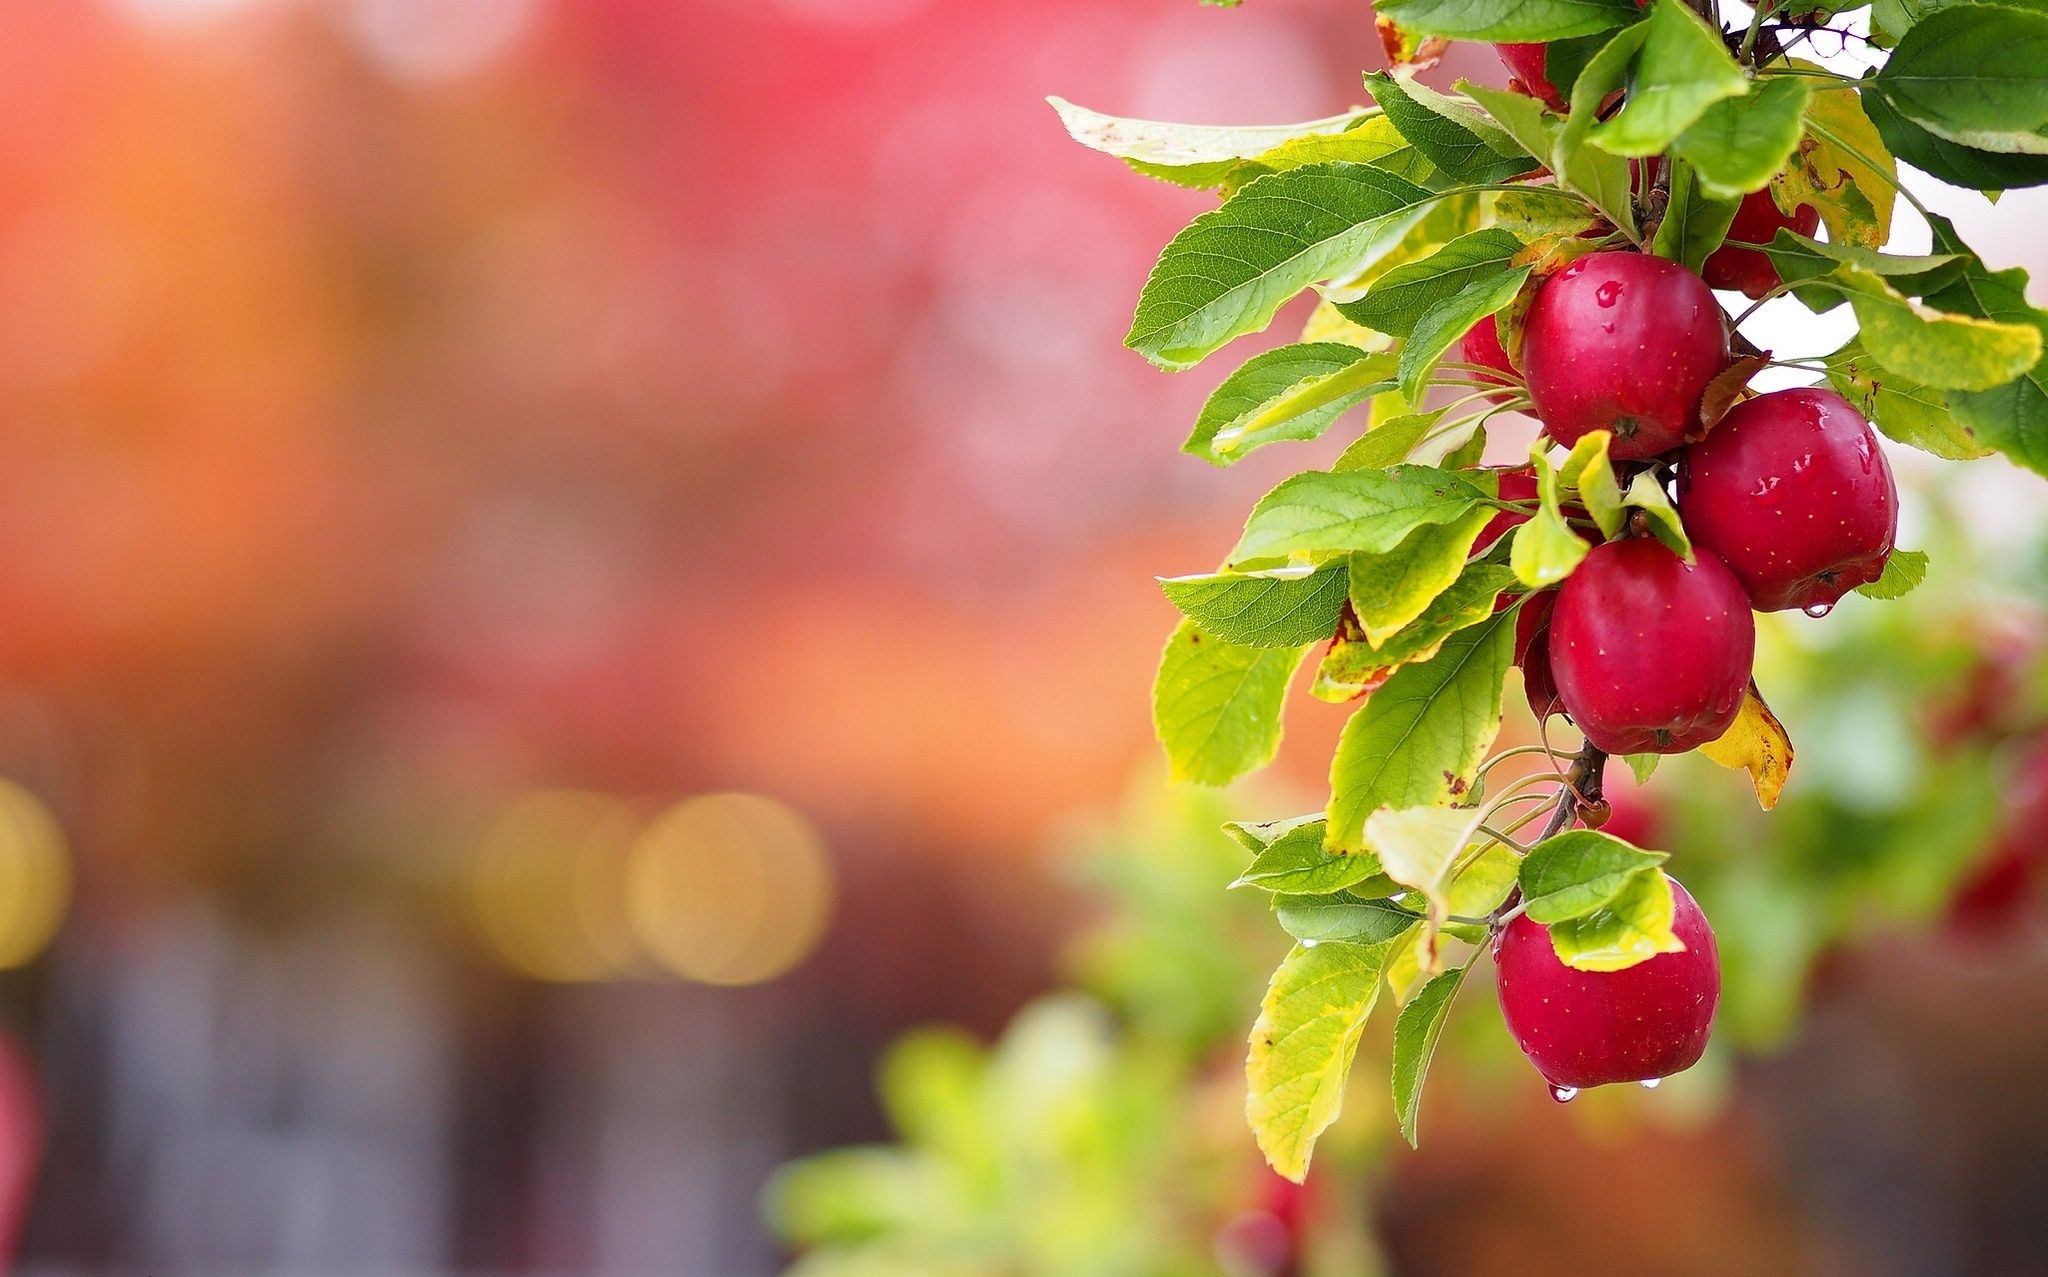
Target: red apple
column 1793, row 493
column 1651, row 654
column 1481, row 345
column 1526, row 62
column 1757, row 220
column 1624, row 342
column 1532, row 654
column 1592, row 1028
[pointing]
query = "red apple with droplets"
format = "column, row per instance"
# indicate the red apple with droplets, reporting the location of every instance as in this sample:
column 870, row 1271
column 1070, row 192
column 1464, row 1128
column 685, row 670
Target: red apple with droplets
column 1532, row 654
column 1595, row 1028
column 1651, row 654
column 1623, row 342
column 1793, row 493
column 1757, row 221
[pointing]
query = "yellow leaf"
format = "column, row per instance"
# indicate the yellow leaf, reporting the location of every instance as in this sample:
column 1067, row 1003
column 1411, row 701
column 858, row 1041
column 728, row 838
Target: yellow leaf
column 1758, row 745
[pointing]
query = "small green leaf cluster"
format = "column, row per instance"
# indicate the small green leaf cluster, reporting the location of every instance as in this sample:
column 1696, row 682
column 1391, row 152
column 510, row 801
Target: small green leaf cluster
column 1421, row 223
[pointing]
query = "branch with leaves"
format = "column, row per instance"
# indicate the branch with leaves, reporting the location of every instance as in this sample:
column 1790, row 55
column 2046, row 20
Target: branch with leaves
column 1554, row 250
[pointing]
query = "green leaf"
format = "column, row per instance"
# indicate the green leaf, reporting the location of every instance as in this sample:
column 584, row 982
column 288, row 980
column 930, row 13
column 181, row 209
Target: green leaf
column 2013, row 418
column 1680, row 71
column 1740, row 143
column 1418, row 846
column 1279, row 607
column 1457, row 139
column 1974, row 74
column 1196, row 155
column 1291, row 392
column 1389, row 442
column 1633, row 927
column 1694, row 224
column 1587, row 471
column 1257, row 835
column 1508, row 20
column 1388, row 591
column 1903, row 573
column 1594, row 176
column 1805, row 263
column 1545, row 549
column 1416, row 1031
column 1404, row 294
column 1647, row 495
column 1371, row 140
column 1420, row 737
column 1484, row 883
column 1444, row 323
column 1952, row 162
column 1574, row 873
column 1354, row 666
column 1323, row 513
column 1340, row 917
column 1901, row 408
column 1302, row 1046
column 1642, row 766
column 1216, row 705
column 1226, row 273
column 1934, row 347
column 1296, row 863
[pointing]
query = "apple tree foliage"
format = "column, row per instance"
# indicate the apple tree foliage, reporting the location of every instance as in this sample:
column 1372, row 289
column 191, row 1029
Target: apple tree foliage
column 1415, row 219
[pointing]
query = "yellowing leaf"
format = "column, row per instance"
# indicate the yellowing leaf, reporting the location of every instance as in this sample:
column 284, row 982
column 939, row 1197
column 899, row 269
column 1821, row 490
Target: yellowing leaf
column 1302, row 1046
column 1757, row 744
column 1843, row 169
column 1633, row 927
column 1390, row 590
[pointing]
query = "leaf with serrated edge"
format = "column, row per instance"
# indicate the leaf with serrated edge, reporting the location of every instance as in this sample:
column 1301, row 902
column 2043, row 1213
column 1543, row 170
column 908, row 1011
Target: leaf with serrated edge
column 1340, row 916
column 1757, row 744
column 1302, row 1046
column 1279, row 607
column 1447, row 134
column 1390, row 590
column 1416, row 1031
column 1373, row 141
column 1680, row 71
column 1545, row 550
column 1163, row 145
column 1323, row 513
column 1903, row 573
column 1633, row 927
column 1444, row 323
column 1401, row 296
column 1740, row 143
column 1694, row 224
column 1389, row 442
column 1571, row 874
column 1420, row 737
column 1257, row 835
column 1508, row 20
column 1642, row 766
column 1295, row 862
column 1935, row 347
column 1216, row 705
column 1591, row 175
column 1230, row 269
column 1975, row 74
column 1291, row 392
column 1901, row 408
column 1354, row 667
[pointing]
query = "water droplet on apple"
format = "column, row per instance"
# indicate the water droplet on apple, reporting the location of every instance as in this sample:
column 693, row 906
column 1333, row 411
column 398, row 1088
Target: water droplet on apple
column 1650, row 1083
column 1563, row 1094
column 1818, row 610
column 1608, row 293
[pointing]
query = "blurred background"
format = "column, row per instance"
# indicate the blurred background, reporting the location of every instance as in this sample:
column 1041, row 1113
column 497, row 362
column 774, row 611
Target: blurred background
column 569, row 569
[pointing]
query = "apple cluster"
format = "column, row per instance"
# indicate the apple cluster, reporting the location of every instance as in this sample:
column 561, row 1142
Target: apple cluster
column 1788, row 502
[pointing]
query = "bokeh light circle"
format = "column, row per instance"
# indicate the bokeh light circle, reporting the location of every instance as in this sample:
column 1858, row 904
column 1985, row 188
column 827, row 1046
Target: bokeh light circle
column 729, row 889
